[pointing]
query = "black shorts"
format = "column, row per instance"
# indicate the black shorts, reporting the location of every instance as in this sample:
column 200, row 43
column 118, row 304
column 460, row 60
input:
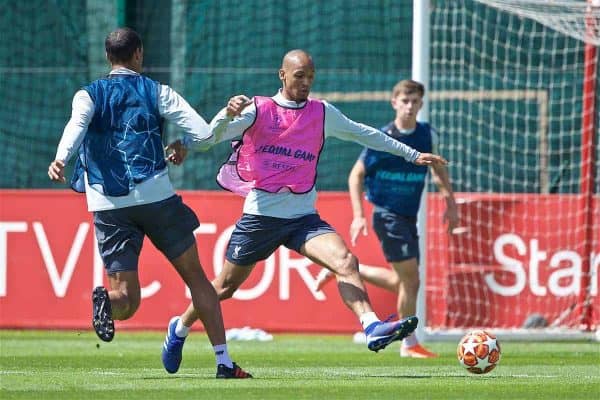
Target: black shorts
column 256, row 237
column 168, row 223
column 397, row 235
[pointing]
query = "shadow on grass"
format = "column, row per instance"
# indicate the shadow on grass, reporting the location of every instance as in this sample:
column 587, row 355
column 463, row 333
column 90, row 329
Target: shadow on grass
column 178, row 376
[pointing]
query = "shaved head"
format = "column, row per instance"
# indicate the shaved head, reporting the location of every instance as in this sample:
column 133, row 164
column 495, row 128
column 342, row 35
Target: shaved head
column 296, row 74
column 295, row 58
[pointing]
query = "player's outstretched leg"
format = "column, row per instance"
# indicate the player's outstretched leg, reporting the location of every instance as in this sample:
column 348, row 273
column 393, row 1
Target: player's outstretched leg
column 224, row 372
column 380, row 334
column 172, row 348
column 102, row 314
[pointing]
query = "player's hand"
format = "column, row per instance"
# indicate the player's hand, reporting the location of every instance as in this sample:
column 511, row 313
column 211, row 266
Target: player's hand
column 429, row 159
column 56, row 171
column 176, row 152
column 358, row 224
column 236, row 104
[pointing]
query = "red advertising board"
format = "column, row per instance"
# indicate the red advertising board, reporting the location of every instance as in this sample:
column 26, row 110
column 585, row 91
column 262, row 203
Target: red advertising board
column 49, row 265
column 517, row 255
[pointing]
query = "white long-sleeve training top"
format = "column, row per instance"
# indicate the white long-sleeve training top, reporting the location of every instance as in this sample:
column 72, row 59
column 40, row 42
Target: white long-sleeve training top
column 171, row 106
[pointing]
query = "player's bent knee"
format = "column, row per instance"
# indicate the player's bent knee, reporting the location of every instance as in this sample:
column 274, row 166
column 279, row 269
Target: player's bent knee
column 126, row 311
column 132, row 303
column 346, row 265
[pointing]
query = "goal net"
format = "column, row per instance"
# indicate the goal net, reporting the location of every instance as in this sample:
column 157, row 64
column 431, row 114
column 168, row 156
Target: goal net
column 514, row 96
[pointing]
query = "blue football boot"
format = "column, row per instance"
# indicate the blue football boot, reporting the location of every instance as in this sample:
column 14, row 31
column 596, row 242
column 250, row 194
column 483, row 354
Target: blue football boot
column 380, row 334
column 172, row 348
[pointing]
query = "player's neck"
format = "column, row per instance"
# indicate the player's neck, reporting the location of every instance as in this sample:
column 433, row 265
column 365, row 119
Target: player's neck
column 132, row 67
column 287, row 96
column 405, row 124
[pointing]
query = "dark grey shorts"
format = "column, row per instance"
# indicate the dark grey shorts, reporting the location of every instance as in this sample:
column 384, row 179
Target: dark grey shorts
column 169, row 224
column 397, row 235
column 256, row 237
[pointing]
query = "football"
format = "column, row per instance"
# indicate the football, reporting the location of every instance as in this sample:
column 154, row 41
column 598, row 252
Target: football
column 479, row 352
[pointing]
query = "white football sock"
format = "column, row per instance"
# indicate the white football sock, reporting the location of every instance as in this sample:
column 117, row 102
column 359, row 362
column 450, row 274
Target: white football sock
column 222, row 355
column 367, row 319
column 181, row 330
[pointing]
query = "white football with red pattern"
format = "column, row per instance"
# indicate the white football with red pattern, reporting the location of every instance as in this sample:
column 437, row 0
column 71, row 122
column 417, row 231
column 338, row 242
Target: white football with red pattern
column 478, row 351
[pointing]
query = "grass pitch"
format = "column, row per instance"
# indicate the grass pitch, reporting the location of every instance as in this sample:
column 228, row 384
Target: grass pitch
column 76, row 365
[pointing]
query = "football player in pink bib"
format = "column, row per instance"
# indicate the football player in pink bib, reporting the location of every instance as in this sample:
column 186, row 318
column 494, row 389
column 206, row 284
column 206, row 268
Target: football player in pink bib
column 274, row 166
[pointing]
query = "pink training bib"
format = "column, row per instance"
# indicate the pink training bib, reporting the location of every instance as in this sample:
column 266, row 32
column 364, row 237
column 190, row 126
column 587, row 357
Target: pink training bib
column 280, row 150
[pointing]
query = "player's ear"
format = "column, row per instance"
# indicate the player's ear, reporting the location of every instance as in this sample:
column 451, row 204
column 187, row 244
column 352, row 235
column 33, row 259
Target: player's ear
column 138, row 54
column 281, row 75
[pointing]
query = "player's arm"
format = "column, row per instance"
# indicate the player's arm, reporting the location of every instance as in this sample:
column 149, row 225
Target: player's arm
column 234, row 119
column 82, row 112
column 174, row 108
column 355, row 187
column 342, row 127
column 441, row 178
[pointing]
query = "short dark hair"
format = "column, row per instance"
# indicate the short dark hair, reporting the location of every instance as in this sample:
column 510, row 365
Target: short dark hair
column 121, row 44
column 408, row 86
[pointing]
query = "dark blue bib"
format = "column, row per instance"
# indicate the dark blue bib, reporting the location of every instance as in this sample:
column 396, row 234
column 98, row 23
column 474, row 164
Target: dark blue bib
column 392, row 182
column 123, row 144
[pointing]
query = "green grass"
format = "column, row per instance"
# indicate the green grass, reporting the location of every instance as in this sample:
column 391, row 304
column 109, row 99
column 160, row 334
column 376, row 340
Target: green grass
column 72, row 365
